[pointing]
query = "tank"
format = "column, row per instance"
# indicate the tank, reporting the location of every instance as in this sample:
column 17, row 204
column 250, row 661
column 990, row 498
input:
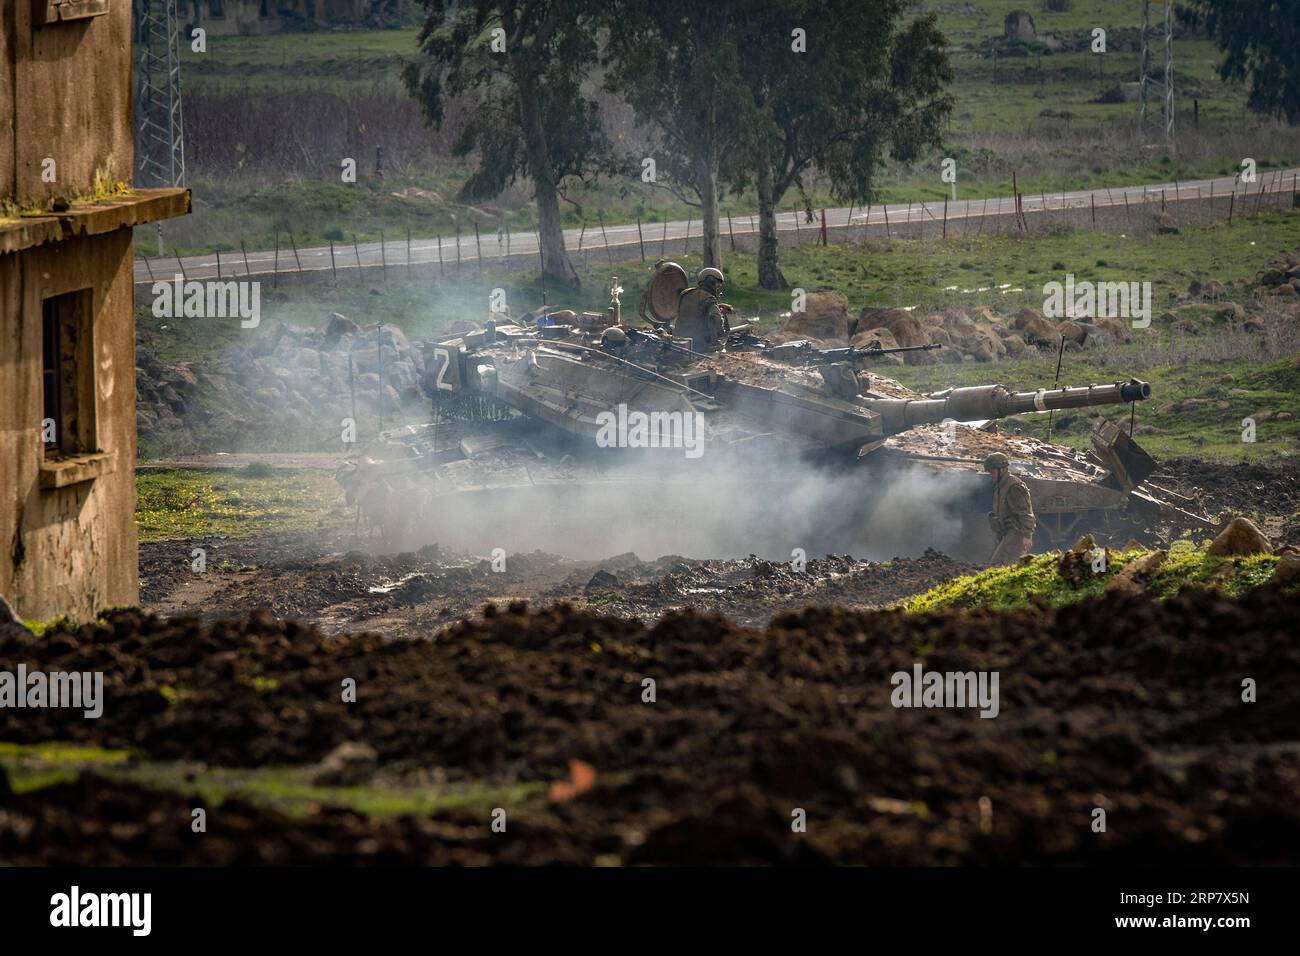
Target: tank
column 581, row 435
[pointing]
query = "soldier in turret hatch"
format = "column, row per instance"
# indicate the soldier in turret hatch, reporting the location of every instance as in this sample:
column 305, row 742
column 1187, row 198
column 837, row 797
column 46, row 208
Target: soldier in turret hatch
column 700, row 314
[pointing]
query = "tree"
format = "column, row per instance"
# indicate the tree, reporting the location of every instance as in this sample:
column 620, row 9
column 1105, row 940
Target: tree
column 1259, row 39
column 523, row 62
column 836, row 84
column 677, row 63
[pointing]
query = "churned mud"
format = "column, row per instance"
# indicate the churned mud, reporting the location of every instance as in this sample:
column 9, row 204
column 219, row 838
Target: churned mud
column 1121, row 704
column 293, row 576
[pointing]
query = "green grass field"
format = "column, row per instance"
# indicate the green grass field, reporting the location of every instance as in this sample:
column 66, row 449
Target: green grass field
column 290, row 790
column 1039, row 580
column 1034, row 115
column 187, row 503
column 929, row 275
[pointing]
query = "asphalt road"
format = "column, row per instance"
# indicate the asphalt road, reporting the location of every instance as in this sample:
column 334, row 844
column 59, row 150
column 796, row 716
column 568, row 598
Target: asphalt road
column 660, row 235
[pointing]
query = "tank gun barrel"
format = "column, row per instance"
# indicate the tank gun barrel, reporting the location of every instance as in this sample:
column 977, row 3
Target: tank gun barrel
column 984, row 402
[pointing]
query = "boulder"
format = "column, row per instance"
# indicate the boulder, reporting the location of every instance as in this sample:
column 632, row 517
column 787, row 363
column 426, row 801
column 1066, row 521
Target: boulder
column 875, row 337
column 1094, row 336
column 941, row 336
column 983, row 345
column 1016, row 347
column 1287, row 572
column 1075, row 566
column 1240, row 537
column 1135, row 576
column 825, row 317
column 1118, row 329
column 1071, row 332
column 347, row 765
column 882, row 337
column 1036, row 329
column 340, row 325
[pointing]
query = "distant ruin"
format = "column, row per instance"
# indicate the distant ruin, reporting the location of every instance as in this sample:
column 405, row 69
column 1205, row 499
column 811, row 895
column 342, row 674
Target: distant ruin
column 229, row 17
column 1019, row 25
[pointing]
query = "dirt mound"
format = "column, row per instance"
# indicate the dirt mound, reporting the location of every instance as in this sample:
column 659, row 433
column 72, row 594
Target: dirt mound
column 351, row 590
column 1122, row 704
column 1268, row 491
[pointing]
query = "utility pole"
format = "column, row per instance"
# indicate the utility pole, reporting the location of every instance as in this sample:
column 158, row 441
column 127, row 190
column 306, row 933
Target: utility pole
column 160, row 129
column 1157, row 86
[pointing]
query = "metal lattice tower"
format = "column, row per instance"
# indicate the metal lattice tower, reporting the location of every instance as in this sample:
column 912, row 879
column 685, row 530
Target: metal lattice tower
column 159, row 130
column 1157, row 87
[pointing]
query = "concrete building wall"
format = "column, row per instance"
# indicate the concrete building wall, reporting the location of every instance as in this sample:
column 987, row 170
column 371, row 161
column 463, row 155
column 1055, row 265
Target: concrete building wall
column 68, row 98
column 7, row 111
column 69, row 550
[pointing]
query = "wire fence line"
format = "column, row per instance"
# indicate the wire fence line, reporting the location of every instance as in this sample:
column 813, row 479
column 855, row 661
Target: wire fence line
column 1133, row 210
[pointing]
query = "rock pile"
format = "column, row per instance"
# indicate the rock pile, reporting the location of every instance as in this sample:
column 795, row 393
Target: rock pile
column 298, row 378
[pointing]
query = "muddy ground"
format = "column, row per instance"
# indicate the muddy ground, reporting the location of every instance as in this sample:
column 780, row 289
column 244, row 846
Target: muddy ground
column 314, row 579
column 1122, row 704
column 341, row 582
column 763, row 706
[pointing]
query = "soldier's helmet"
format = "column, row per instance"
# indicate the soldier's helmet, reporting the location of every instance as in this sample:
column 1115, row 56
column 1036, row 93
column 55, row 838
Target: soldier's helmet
column 996, row 460
column 709, row 273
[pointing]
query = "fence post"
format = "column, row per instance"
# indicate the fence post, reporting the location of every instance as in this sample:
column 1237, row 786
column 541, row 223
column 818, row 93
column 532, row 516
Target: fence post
column 442, row 271
column 823, row 225
column 732, row 234
column 247, row 270
column 275, row 266
column 609, row 256
column 218, row 265
column 640, row 239
column 334, row 271
column 352, row 388
column 294, row 244
column 541, row 261
column 458, row 258
column 888, row 234
column 383, row 256
column 945, row 217
column 180, row 265
column 478, row 250
column 686, row 242
column 379, row 341
column 408, row 252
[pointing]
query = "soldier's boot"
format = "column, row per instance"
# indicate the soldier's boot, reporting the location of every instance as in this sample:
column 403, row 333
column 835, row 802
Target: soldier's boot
column 1010, row 548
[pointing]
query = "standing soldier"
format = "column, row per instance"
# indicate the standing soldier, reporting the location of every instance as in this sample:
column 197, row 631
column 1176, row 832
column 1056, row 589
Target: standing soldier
column 700, row 314
column 1012, row 518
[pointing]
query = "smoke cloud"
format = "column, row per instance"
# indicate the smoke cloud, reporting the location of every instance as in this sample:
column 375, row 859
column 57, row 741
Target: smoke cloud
column 655, row 503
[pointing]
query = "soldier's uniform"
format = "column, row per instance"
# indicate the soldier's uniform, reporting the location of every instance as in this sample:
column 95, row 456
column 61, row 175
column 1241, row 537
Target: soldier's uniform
column 1012, row 519
column 699, row 318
